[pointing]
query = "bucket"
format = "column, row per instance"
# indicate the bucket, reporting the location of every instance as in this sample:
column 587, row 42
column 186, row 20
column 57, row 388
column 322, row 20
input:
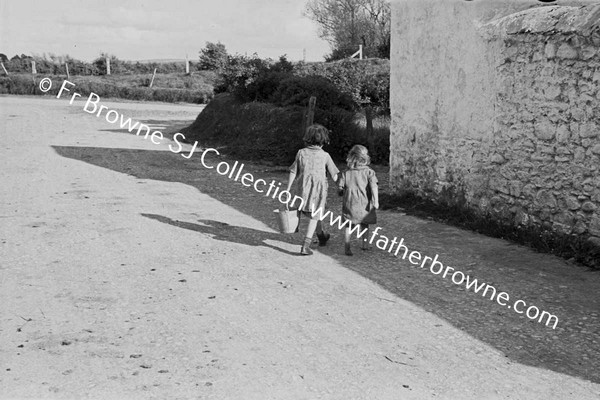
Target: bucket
column 288, row 220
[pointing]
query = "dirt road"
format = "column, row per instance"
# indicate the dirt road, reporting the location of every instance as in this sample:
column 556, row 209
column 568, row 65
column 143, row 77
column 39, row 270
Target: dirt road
column 115, row 286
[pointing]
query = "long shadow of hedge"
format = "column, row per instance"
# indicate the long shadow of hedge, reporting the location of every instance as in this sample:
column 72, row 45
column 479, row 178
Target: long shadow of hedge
column 569, row 349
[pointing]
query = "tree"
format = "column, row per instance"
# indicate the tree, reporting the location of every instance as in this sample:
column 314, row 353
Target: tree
column 346, row 24
column 213, row 57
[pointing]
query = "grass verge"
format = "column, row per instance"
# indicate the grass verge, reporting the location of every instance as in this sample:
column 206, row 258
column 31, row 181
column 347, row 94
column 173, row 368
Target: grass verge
column 571, row 247
column 172, row 88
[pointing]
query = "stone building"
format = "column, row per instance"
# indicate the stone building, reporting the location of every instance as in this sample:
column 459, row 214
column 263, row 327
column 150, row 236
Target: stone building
column 496, row 106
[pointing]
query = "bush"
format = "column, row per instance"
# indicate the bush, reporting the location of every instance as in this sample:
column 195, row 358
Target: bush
column 238, row 73
column 213, row 57
column 265, row 132
column 265, row 85
column 366, row 81
column 297, row 90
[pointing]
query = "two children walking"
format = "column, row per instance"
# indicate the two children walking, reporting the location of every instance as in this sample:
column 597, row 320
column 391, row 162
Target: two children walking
column 357, row 186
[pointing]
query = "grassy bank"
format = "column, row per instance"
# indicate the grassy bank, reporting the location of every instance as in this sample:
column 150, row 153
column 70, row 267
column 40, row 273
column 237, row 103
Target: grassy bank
column 195, row 88
column 264, row 132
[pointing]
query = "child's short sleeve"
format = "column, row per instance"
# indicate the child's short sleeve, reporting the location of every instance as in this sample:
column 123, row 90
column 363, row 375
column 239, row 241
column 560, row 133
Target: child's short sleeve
column 294, row 166
column 331, row 168
column 372, row 177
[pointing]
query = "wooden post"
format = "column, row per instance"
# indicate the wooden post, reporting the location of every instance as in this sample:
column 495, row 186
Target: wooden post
column 153, row 75
column 310, row 114
column 359, row 53
column 311, row 111
column 33, row 69
column 370, row 134
column 107, row 66
column 67, row 68
column 187, row 65
column 5, row 71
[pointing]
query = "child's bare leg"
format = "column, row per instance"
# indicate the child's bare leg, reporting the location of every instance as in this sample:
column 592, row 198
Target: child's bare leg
column 312, row 226
column 365, row 243
column 347, row 234
column 310, row 231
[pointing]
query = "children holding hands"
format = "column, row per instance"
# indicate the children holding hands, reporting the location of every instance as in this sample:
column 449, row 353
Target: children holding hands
column 357, row 185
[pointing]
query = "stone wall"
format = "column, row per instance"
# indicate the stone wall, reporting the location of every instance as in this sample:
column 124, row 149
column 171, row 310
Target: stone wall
column 496, row 107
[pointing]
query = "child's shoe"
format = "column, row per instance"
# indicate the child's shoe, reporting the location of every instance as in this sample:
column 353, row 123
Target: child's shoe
column 305, row 249
column 323, row 238
column 347, row 250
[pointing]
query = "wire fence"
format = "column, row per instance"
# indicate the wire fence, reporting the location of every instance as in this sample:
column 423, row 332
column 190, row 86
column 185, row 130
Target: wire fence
column 100, row 66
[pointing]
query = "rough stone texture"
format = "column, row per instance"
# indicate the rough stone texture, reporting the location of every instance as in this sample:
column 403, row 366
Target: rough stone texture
column 496, row 106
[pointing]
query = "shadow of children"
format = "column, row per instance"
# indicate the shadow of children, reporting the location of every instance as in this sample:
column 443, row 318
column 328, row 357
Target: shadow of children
column 230, row 233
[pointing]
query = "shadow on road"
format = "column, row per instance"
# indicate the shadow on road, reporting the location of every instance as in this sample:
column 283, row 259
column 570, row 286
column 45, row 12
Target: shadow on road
column 540, row 279
column 226, row 232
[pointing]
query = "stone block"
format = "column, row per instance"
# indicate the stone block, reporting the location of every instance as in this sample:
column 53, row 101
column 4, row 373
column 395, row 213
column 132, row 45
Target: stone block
column 588, row 206
column 563, row 151
column 572, row 203
column 594, row 226
column 515, row 188
column 563, row 133
column 567, row 51
column 552, row 92
column 498, row 159
column 588, row 130
column 580, row 228
column 579, row 154
column 588, row 52
column 545, row 199
column 550, row 50
column 545, row 130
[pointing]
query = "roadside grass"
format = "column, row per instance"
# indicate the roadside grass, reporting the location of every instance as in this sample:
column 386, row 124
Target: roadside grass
column 575, row 248
column 172, row 88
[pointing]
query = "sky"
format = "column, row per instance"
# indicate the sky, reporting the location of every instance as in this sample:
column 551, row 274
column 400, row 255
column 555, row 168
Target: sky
column 158, row 29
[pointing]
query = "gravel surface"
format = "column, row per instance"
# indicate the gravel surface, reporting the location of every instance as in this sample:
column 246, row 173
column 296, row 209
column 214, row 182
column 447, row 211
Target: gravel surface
column 128, row 271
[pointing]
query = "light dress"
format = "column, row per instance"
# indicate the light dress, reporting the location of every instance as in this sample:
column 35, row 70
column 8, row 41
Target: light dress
column 310, row 167
column 359, row 185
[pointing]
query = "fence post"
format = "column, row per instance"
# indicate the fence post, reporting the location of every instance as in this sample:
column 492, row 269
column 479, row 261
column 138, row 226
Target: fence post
column 33, row 69
column 310, row 114
column 107, row 66
column 370, row 134
column 5, row 71
column 153, row 75
column 359, row 53
column 67, row 68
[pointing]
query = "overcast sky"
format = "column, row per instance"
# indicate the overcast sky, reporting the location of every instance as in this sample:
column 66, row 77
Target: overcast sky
column 157, row 29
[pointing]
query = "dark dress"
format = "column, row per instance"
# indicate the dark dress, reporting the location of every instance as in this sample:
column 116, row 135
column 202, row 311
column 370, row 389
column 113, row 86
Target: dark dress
column 360, row 195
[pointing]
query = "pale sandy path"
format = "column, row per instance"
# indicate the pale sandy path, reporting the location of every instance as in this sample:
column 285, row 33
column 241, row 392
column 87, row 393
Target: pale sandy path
column 125, row 307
